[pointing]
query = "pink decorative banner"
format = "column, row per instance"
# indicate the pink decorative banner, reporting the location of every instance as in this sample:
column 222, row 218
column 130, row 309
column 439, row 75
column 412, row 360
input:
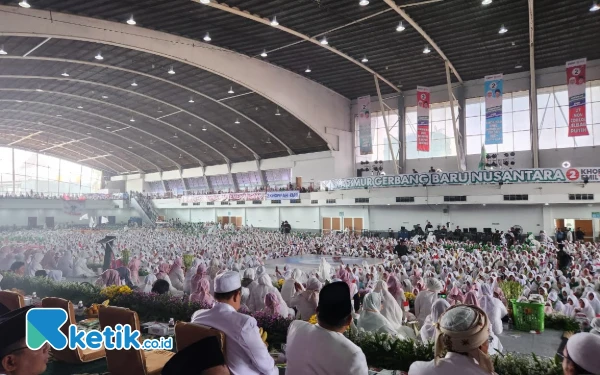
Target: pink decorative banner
column 255, row 196
column 576, row 89
column 423, row 103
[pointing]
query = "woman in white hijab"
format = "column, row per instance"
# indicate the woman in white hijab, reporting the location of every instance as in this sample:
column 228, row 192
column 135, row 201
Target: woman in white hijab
column 425, row 299
column 585, row 308
column 289, row 286
column 306, row 301
column 81, row 269
column 324, row 270
column 493, row 307
column 65, row 264
column 595, row 325
column 391, row 310
column 371, row 319
column 570, row 306
column 187, row 282
column 265, row 286
column 437, row 309
column 35, row 265
column 594, row 302
column 148, row 282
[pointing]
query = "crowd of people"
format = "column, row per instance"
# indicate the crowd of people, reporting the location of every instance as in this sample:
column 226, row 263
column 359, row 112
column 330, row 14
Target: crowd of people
column 458, row 302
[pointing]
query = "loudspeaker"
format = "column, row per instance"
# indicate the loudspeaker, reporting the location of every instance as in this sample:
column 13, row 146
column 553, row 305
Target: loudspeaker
column 446, row 210
column 359, row 172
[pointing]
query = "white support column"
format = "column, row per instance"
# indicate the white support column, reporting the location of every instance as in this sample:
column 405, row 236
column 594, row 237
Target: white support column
column 13, row 169
column 460, row 155
column 385, row 122
column 236, row 187
column 533, row 115
column 163, row 182
column 206, row 179
column 185, row 187
column 260, row 174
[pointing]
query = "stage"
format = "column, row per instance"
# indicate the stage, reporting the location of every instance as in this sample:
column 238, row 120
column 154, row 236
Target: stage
column 310, row 262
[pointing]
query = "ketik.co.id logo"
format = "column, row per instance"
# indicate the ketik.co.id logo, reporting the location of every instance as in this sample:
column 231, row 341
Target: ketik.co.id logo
column 43, row 325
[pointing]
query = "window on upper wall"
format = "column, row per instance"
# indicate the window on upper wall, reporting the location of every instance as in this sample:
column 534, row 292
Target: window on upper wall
column 553, row 117
column 441, row 141
column 515, row 124
column 381, row 146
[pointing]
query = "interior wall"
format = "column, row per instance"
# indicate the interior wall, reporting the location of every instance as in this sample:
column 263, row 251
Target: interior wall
column 264, row 217
column 19, row 217
column 301, row 217
column 134, row 185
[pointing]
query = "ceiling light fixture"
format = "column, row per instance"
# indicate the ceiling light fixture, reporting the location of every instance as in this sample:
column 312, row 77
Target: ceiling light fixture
column 274, row 21
column 132, row 120
column 230, row 90
column 79, row 107
column 99, row 56
column 234, row 145
column 129, row 147
column 519, row 65
column 277, row 112
column 363, row 3
column 502, row 30
column 207, row 37
column 309, row 136
column 171, row 71
column 566, row 164
column 308, row 69
column 268, row 141
column 426, row 49
column 324, row 41
column 486, row 2
column 400, row 27
column 131, row 21
column 595, row 7
column 108, row 127
column 205, row 2
column 191, row 100
column 134, row 84
column 264, row 53
column 546, row 204
column 65, row 74
column 237, row 121
column 364, row 59
column 2, row 51
column 59, row 115
column 24, row 4
column 203, row 128
column 104, row 97
column 39, row 90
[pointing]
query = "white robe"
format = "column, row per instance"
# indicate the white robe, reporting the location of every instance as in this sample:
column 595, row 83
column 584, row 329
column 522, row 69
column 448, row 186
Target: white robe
column 423, row 303
column 35, row 265
column 391, row 310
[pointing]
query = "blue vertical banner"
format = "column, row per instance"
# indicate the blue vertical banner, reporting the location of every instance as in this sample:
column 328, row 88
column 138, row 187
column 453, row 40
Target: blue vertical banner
column 493, row 90
column 365, row 137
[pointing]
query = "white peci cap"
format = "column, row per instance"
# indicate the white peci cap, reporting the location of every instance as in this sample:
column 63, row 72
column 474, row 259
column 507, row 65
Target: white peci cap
column 227, row 282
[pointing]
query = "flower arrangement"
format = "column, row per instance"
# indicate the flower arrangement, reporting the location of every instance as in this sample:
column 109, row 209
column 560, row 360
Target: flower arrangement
column 112, row 291
column 313, row 319
column 280, row 282
column 511, row 289
column 125, row 257
column 561, row 322
column 187, row 260
column 143, row 273
column 409, row 296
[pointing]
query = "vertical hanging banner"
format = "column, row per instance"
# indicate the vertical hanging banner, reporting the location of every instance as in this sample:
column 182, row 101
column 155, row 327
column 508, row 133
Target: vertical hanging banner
column 364, row 125
column 493, row 86
column 423, row 103
column 576, row 89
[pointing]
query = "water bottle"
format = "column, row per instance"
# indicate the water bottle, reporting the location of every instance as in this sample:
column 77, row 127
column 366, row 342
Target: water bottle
column 80, row 305
column 510, row 324
column 171, row 323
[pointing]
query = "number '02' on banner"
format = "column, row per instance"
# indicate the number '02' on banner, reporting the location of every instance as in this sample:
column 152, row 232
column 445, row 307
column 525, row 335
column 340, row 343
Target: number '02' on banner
column 576, row 89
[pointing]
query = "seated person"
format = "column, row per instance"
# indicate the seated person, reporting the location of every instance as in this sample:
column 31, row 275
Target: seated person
column 203, row 357
column 580, row 355
column 15, row 357
column 18, row 268
column 161, row 287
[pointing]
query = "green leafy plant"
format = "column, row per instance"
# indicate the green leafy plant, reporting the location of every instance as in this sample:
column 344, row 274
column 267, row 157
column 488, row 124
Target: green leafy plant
column 125, row 257
column 521, row 364
column 187, row 260
column 561, row 322
column 511, row 289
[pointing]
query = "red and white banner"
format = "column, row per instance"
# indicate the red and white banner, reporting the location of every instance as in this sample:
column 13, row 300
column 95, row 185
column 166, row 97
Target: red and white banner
column 576, row 89
column 423, row 103
column 365, row 137
column 255, row 196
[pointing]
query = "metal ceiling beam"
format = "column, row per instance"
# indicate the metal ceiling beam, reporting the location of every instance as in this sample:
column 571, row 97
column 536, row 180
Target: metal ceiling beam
column 226, row 8
column 36, row 47
column 66, row 143
column 25, row 137
column 74, row 132
column 533, row 114
column 176, row 129
column 102, row 117
column 132, row 92
column 199, row 93
column 392, row 4
column 89, row 126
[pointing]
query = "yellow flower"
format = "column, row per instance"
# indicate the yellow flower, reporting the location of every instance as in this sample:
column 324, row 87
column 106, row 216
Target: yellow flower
column 114, row 290
column 409, row 296
column 313, row 319
column 280, row 282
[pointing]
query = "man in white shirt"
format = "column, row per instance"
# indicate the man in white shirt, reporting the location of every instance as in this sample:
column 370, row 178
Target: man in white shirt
column 322, row 348
column 246, row 352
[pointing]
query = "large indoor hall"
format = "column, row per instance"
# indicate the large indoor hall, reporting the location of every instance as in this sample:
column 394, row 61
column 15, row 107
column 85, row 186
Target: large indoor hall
column 299, row 187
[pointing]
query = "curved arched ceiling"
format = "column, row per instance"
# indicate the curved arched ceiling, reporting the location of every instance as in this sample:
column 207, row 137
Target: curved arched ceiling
column 187, row 119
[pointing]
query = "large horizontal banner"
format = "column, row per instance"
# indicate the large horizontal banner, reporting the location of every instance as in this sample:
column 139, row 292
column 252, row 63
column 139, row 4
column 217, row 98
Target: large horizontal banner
column 283, row 195
column 513, row 176
column 73, row 207
column 255, row 196
column 94, row 196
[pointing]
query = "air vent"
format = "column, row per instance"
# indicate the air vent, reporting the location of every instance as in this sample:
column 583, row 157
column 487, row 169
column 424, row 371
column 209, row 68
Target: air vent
column 224, row 203
column 295, row 200
column 581, row 197
column 361, row 200
column 275, row 201
column 256, row 202
column 184, row 204
column 241, row 202
column 516, row 197
column 405, row 199
column 455, row 198
column 210, row 203
column 116, row 206
column 196, row 204
column 329, row 201
column 314, row 201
